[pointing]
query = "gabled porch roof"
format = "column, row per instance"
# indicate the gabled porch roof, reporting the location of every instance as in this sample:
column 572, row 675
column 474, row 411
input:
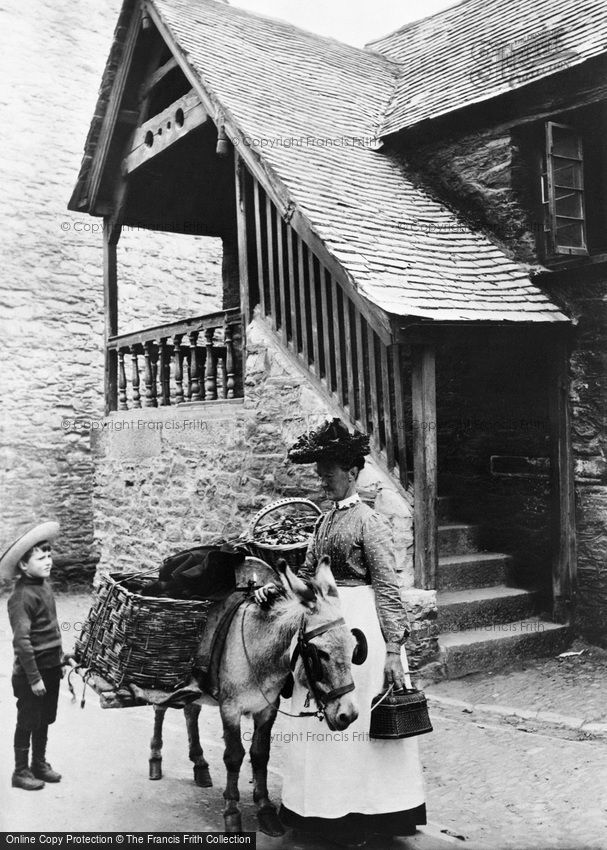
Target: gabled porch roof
column 304, row 113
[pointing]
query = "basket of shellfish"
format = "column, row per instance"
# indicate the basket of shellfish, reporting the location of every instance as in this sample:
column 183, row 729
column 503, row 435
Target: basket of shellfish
column 283, row 529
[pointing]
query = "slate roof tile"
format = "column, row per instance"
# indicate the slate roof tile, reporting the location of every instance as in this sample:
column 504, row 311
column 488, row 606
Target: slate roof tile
column 480, row 49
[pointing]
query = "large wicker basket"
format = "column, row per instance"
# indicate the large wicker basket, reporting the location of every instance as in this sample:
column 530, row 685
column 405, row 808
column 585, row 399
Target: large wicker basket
column 142, row 640
column 295, row 553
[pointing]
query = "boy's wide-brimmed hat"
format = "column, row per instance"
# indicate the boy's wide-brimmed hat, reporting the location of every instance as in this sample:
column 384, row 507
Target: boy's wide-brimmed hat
column 331, row 442
column 17, row 549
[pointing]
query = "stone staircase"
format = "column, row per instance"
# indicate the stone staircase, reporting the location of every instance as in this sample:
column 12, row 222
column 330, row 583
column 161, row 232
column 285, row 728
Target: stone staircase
column 484, row 622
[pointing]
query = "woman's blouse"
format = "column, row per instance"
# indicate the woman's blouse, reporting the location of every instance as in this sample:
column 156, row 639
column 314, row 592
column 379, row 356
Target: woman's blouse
column 359, row 543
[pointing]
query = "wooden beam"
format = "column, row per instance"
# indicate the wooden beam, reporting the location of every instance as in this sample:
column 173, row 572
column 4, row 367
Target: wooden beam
column 325, row 283
column 387, row 410
column 110, row 312
column 314, row 313
column 337, row 341
column 302, row 300
column 373, row 395
column 362, row 384
column 271, row 275
column 113, row 108
column 259, row 249
column 399, row 409
column 281, row 278
column 423, row 385
column 156, row 76
column 241, row 227
column 163, row 130
column 562, row 485
column 349, row 355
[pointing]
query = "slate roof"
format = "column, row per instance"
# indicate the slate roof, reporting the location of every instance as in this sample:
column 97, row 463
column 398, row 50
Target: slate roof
column 309, row 108
column 483, row 48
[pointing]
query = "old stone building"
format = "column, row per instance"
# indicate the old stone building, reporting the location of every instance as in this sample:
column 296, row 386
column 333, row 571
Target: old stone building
column 395, row 249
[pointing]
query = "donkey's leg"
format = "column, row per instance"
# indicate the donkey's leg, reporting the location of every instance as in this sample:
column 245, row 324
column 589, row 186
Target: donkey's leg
column 156, row 744
column 232, row 757
column 268, row 819
column 202, row 777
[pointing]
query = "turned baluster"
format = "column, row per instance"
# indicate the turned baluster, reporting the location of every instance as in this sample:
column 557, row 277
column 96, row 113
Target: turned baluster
column 187, row 378
column 135, row 378
column 195, row 366
column 220, row 373
column 210, row 380
column 122, row 402
column 164, row 370
column 229, row 364
column 178, row 370
column 149, row 377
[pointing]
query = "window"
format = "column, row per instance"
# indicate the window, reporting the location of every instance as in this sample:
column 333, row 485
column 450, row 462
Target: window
column 563, row 191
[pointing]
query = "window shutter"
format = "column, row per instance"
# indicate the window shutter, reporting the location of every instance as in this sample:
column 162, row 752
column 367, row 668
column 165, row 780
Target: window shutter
column 563, row 191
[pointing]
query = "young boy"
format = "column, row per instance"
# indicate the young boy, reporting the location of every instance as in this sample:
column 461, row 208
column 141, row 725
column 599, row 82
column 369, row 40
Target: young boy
column 38, row 653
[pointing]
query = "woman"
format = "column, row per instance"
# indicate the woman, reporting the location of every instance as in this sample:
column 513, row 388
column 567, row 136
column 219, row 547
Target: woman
column 343, row 785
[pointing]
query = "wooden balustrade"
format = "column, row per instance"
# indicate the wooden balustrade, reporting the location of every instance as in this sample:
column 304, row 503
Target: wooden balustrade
column 199, row 359
column 321, row 322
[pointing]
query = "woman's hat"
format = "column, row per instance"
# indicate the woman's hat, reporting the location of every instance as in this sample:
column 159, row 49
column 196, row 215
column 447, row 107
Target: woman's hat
column 331, row 442
column 32, row 537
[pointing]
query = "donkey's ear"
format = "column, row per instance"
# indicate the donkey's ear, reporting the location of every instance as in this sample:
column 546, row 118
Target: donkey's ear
column 324, row 577
column 294, row 585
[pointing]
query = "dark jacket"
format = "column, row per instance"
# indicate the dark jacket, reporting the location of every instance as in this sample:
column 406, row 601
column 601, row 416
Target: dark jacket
column 36, row 634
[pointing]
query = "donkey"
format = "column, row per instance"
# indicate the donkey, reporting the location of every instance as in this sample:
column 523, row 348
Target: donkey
column 254, row 669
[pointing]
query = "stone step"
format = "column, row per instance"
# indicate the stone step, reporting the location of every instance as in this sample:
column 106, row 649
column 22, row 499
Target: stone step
column 481, row 569
column 490, row 648
column 458, row 538
column 482, row 606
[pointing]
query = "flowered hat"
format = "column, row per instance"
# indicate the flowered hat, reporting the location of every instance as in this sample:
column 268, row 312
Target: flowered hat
column 330, row 442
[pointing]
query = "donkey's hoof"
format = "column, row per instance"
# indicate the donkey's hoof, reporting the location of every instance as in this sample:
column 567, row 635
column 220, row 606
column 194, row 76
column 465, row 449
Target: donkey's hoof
column 269, row 822
column 155, row 768
column 202, row 777
column 233, row 822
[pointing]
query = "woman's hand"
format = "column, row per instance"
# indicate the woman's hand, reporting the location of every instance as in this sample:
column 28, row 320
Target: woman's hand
column 394, row 672
column 266, row 594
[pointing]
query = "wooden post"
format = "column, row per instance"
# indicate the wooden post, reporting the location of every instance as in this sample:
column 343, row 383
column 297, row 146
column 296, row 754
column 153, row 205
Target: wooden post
column 281, row 279
column 210, row 370
column 373, row 394
column 271, row 275
column 135, row 377
column 303, row 313
column 314, row 314
column 195, row 366
column 122, row 401
column 562, row 486
column 337, row 341
column 261, row 283
column 423, row 381
column 165, row 375
column 110, row 309
column 148, row 376
column 387, row 409
column 229, row 344
column 177, row 368
column 243, row 259
column 362, row 383
column 399, row 406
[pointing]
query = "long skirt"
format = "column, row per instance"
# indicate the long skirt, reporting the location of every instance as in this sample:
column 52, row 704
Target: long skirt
column 332, row 775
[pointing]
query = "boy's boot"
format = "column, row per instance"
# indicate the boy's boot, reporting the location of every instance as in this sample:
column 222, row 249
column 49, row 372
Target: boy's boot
column 40, row 767
column 23, row 777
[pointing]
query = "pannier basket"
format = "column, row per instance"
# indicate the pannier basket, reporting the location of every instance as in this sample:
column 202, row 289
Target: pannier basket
column 142, row 640
column 400, row 714
column 285, row 517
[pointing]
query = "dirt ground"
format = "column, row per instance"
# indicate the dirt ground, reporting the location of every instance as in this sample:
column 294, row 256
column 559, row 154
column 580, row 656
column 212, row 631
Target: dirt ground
column 490, row 783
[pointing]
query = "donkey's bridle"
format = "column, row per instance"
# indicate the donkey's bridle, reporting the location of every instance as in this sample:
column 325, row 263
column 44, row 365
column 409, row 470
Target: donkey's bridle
column 312, row 666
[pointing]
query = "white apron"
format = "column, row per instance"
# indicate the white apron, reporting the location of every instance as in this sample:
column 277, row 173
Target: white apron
column 331, row 774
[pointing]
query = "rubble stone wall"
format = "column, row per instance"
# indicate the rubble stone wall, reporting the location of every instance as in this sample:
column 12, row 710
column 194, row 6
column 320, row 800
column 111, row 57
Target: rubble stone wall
column 51, row 293
column 170, row 478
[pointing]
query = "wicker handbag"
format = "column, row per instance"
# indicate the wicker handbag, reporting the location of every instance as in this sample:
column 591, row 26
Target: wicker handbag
column 400, row 714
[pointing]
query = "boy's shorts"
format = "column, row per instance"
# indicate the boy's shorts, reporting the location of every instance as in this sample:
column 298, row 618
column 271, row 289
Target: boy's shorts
column 33, row 711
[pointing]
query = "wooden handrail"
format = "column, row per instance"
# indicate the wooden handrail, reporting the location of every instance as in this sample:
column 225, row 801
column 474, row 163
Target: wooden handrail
column 181, row 328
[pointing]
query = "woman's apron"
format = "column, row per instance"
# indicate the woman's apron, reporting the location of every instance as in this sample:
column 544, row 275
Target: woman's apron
column 331, row 774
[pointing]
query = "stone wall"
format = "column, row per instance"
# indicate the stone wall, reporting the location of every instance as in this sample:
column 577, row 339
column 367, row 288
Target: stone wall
column 51, row 330
column 491, row 177
column 170, row 478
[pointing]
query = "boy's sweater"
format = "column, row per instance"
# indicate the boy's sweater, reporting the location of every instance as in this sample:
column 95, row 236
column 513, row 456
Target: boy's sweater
column 36, row 634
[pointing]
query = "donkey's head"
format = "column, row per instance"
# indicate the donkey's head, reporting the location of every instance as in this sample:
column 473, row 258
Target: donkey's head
column 325, row 643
